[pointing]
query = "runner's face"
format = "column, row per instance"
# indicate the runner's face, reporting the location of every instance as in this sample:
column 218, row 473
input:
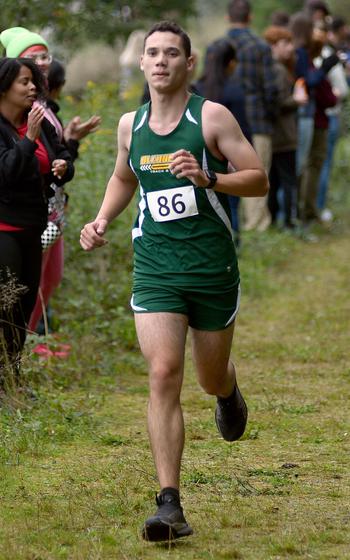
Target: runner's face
column 164, row 62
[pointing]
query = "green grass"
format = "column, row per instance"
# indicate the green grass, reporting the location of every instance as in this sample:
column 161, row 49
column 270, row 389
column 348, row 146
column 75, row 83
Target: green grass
column 76, row 475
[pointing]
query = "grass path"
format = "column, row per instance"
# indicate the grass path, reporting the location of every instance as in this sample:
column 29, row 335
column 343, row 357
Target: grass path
column 81, row 490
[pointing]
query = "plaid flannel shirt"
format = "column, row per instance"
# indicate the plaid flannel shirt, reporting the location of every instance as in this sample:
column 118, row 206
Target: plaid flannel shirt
column 256, row 74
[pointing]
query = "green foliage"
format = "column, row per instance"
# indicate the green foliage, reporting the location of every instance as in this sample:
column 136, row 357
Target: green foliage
column 262, row 10
column 75, row 23
column 339, row 8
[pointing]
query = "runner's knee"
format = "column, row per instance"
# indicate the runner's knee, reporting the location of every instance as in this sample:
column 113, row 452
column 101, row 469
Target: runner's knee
column 165, row 379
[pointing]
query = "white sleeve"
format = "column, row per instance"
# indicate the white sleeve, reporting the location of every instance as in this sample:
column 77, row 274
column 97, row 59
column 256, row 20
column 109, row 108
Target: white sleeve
column 338, row 81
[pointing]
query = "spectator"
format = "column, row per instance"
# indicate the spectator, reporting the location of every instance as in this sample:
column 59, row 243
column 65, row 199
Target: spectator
column 337, row 79
column 339, row 38
column 318, row 11
column 324, row 98
column 129, row 60
column 216, row 84
column 284, row 139
column 72, row 134
column 338, row 35
column 20, row 42
column 31, row 158
column 256, row 73
column 56, row 79
column 301, row 27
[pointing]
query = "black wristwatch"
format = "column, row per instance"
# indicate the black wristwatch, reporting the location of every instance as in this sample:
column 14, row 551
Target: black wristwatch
column 212, row 178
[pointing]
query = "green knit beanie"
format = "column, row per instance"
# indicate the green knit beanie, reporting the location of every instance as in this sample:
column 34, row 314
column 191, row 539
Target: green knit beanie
column 18, row 39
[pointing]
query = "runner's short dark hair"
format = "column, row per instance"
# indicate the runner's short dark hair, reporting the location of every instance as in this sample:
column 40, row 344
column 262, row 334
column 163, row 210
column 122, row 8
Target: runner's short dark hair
column 172, row 27
column 239, row 11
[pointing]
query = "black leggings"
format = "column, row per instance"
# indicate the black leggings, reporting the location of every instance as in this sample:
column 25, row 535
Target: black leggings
column 283, row 176
column 20, row 267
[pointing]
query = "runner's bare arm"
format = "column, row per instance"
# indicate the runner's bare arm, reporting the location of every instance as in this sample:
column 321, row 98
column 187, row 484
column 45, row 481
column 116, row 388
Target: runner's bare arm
column 224, row 138
column 119, row 192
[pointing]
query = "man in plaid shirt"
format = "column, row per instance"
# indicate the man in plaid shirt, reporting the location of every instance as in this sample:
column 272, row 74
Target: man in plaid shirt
column 255, row 73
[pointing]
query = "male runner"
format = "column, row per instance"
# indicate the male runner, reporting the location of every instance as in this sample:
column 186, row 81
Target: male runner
column 177, row 148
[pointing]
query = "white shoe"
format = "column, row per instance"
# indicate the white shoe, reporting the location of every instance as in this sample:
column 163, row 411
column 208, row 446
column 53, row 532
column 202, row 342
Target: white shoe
column 326, row 215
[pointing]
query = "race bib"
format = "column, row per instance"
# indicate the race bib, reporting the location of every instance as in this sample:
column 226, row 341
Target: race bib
column 172, row 204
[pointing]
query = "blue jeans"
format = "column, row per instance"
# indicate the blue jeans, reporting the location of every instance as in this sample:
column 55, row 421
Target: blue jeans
column 332, row 138
column 305, row 135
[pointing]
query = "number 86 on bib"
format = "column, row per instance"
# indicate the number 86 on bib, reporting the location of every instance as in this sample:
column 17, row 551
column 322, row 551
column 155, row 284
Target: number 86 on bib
column 172, row 204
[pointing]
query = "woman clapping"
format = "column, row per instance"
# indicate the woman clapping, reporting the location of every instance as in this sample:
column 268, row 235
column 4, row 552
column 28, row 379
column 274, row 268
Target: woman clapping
column 31, row 158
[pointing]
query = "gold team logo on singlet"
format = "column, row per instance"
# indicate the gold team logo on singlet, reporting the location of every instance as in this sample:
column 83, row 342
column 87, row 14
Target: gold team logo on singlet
column 155, row 163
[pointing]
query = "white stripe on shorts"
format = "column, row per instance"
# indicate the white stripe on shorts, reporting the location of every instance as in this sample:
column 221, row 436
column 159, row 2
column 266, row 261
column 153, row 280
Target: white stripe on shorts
column 233, row 316
column 136, row 307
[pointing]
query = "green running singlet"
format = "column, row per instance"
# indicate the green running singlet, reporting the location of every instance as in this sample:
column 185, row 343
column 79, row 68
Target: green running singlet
column 182, row 236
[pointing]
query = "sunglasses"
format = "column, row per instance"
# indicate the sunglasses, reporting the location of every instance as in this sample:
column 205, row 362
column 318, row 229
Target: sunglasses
column 41, row 57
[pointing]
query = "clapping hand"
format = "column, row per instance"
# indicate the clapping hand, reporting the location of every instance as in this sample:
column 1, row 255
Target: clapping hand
column 59, row 167
column 76, row 130
column 35, row 118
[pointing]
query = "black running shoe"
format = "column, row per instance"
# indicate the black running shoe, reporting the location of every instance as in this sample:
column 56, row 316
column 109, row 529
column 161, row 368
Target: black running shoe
column 168, row 523
column 231, row 415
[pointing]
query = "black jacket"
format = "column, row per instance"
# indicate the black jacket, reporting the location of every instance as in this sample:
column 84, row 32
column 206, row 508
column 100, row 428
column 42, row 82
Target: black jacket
column 23, row 190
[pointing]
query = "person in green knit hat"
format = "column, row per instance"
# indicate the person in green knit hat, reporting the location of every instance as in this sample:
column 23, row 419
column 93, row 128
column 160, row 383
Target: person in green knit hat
column 20, row 42
column 17, row 39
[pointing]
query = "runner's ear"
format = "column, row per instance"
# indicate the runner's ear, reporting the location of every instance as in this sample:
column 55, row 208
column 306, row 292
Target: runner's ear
column 190, row 63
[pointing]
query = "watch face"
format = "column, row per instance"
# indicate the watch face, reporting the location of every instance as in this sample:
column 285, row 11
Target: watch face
column 212, row 178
